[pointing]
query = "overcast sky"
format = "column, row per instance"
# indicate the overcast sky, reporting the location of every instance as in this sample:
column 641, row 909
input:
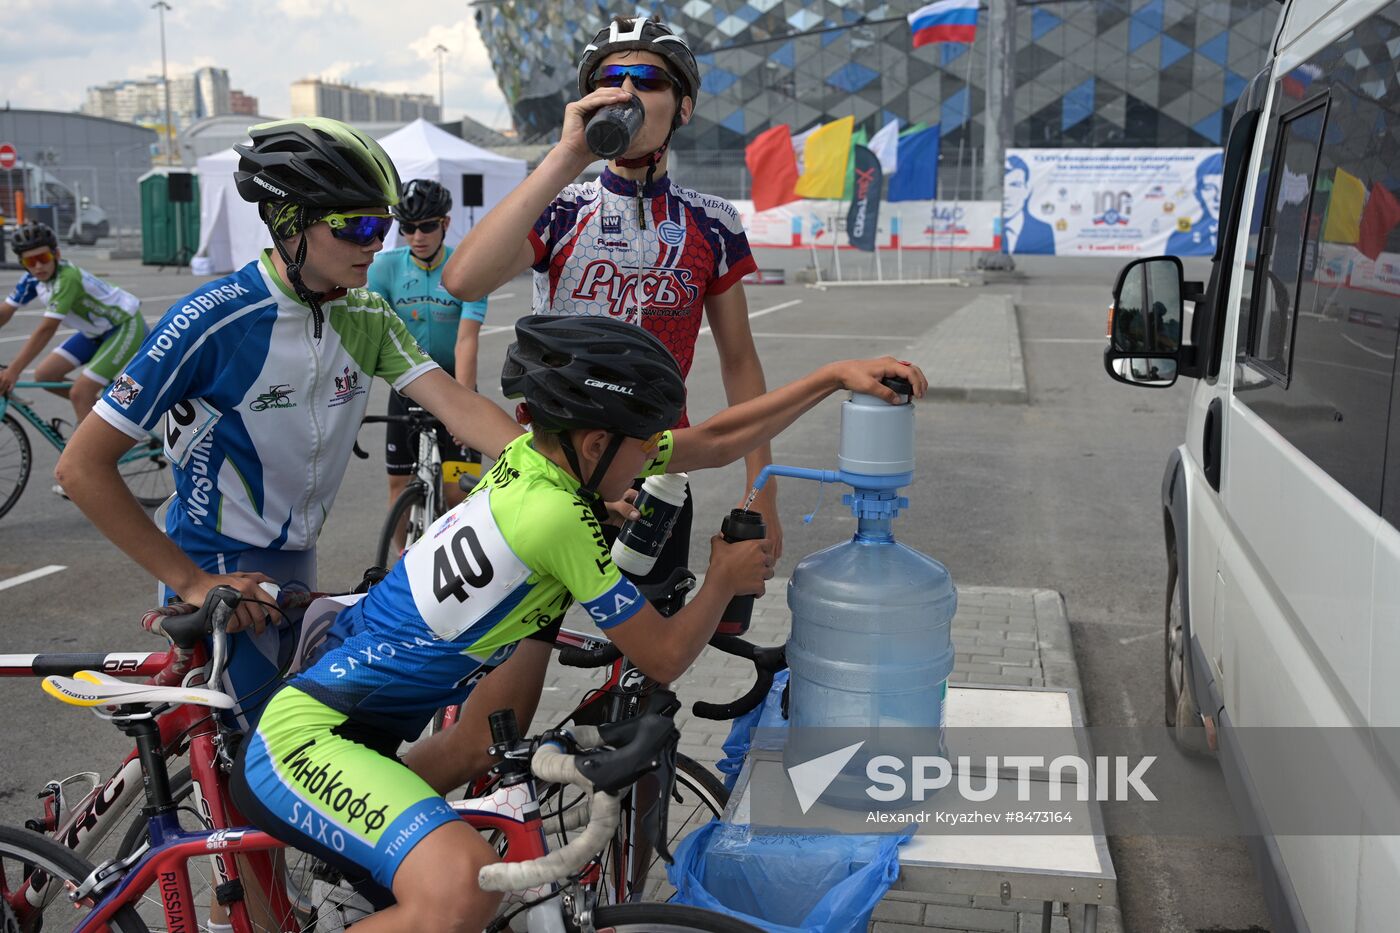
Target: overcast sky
column 57, row 48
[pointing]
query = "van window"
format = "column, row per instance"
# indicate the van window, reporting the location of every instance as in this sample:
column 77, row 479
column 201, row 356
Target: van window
column 1281, row 243
column 1324, row 314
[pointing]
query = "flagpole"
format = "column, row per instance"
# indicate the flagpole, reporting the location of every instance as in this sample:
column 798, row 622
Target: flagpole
column 962, row 140
column 899, row 244
column 835, row 254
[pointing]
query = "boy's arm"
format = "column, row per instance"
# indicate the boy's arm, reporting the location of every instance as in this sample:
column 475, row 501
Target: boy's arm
column 87, row 471
column 498, row 247
column 735, row 431
column 742, row 373
column 473, row 420
column 32, row 348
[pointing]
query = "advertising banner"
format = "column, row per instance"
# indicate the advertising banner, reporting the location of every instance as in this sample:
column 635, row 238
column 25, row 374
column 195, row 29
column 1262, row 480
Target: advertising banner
column 910, row 225
column 863, row 218
column 1146, row 202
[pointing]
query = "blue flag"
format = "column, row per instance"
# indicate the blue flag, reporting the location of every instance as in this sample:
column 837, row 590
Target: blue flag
column 917, row 178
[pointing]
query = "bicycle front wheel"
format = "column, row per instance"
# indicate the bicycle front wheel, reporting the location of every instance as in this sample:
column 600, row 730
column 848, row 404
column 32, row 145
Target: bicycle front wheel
column 15, row 462
column 413, row 512
column 37, row 876
column 666, row 918
column 147, row 473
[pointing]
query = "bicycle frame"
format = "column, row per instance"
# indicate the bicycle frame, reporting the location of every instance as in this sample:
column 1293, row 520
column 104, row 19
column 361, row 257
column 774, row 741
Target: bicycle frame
column 512, row 811
column 46, row 430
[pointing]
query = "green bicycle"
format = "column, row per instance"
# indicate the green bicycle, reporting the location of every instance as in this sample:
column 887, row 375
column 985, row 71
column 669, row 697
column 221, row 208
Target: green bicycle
column 144, row 467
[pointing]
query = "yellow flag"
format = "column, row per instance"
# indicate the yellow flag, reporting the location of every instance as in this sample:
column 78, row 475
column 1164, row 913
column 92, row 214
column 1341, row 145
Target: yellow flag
column 1344, row 209
column 824, row 160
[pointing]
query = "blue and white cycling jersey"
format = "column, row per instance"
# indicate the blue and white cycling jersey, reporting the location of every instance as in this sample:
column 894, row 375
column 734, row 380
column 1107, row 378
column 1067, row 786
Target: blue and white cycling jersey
column 261, row 415
column 431, row 313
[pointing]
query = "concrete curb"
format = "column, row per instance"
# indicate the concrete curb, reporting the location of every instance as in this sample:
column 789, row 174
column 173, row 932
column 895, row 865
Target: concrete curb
column 975, row 354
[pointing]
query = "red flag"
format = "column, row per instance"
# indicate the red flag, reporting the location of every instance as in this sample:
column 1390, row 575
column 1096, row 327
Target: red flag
column 773, row 166
column 1381, row 215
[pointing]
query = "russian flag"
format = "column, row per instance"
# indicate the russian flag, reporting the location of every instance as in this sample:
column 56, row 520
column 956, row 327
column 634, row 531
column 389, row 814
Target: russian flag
column 944, row 21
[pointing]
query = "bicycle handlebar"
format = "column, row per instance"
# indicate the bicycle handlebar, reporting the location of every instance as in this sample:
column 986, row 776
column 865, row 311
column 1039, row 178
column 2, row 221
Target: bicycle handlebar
column 211, row 619
column 766, row 661
column 643, row 744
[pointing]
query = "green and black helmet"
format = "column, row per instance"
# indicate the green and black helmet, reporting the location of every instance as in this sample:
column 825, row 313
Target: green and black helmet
column 316, row 162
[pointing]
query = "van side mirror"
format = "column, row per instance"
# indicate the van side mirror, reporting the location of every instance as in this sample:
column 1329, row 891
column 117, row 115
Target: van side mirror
column 1145, row 323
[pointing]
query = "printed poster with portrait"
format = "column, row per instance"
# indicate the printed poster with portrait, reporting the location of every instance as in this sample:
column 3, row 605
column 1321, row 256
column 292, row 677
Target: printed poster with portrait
column 1078, row 202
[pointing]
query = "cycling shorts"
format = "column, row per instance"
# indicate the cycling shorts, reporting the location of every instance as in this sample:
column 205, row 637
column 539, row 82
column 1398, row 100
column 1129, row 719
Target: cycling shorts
column 103, row 358
column 322, row 783
column 400, row 448
column 256, row 663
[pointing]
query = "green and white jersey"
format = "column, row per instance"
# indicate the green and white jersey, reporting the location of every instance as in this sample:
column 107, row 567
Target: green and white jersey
column 260, row 416
column 85, row 302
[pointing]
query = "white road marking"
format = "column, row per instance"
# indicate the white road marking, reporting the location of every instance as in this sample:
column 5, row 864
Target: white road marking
column 758, row 314
column 31, row 575
column 59, row 333
column 1145, row 635
column 831, row 336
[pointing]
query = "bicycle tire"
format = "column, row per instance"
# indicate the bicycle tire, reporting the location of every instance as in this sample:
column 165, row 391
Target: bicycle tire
column 20, row 470
column 666, row 918
column 413, row 496
column 150, row 477
column 22, row 852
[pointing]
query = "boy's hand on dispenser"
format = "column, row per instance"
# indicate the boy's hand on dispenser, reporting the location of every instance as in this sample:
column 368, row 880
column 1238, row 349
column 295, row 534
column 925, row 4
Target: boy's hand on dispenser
column 864, row 376
column 742, row 566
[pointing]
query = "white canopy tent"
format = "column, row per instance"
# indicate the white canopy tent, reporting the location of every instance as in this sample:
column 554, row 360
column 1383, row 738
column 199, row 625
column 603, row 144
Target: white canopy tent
column 230, row 232
column 421, row 150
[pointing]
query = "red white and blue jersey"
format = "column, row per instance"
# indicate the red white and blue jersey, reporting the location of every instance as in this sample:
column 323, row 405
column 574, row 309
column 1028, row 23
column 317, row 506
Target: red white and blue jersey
column 591, row 250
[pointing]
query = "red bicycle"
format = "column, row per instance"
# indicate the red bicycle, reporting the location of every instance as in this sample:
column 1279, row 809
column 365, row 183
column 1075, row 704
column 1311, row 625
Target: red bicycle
column 44, row 885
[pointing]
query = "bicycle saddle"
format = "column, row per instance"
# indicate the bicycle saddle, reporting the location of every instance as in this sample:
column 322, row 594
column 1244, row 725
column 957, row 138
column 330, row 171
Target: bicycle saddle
column 90, row 688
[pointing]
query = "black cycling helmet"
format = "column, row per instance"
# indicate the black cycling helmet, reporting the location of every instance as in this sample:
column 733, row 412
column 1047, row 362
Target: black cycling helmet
column 297, row 171
column 644, row 34
column 31, row 235
column 580, row 371
column 422, row 199
column 315, row 162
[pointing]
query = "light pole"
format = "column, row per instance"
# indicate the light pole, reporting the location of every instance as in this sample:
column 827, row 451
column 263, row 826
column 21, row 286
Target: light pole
column 441, row 50
column 162, row 6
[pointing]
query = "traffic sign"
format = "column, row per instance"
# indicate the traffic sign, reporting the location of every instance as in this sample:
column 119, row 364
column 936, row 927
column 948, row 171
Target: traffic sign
column 8, row 156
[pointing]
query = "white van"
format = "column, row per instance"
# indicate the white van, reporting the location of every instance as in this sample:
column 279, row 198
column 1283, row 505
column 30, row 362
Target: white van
column 1281, row 508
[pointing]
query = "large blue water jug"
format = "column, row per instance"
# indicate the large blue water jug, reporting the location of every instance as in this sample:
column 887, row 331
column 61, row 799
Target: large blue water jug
column 871, row 641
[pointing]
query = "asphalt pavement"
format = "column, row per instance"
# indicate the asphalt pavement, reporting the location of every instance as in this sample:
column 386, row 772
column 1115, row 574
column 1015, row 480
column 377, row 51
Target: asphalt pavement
column 1060, row 493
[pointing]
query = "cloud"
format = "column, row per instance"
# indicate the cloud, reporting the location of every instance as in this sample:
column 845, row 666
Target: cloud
column 264, row 44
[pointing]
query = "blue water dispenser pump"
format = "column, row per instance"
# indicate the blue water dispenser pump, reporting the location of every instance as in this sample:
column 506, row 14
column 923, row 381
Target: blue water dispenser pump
column 872, row 618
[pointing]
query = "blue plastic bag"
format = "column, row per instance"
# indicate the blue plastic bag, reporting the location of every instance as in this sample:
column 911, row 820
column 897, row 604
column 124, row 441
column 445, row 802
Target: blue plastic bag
column 786, row 883
column 766, row 715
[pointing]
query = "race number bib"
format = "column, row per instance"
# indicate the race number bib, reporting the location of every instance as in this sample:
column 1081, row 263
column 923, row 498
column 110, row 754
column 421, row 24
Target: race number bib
column 462, row 568
column 186, row 424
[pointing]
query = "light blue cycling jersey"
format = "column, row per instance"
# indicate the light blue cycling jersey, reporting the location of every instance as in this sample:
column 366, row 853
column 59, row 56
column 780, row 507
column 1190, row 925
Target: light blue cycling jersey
column 261, row 415
column 430, row 311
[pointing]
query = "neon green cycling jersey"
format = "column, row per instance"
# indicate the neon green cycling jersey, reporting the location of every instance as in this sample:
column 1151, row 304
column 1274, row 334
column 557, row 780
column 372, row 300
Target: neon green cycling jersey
column 504, row 564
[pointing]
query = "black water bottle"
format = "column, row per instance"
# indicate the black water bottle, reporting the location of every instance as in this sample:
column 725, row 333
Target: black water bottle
column 740, row 525
column 610, row 130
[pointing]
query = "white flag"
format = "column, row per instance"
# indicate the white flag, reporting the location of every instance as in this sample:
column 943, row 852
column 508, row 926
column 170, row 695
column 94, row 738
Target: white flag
column 799, row 144
column 885, row 145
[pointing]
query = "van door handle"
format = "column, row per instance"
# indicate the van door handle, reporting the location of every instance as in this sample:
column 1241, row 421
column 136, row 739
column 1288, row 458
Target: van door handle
column 1210, row 444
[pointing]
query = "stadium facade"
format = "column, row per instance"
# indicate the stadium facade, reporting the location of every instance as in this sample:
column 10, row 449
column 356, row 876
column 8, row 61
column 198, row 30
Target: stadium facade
column 1120, row 73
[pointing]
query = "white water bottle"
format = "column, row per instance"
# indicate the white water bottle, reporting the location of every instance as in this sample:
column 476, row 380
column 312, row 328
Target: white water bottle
column 641, row 539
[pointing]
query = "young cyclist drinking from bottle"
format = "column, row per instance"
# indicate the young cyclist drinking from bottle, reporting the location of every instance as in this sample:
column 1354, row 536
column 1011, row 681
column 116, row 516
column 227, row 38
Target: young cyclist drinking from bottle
column 633, row 245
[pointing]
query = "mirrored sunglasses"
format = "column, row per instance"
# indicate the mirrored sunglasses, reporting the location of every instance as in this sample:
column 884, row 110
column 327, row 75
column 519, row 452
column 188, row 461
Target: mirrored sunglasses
column 425, row 226
column 37, row 260
column 360, row 229
column 644, row 77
